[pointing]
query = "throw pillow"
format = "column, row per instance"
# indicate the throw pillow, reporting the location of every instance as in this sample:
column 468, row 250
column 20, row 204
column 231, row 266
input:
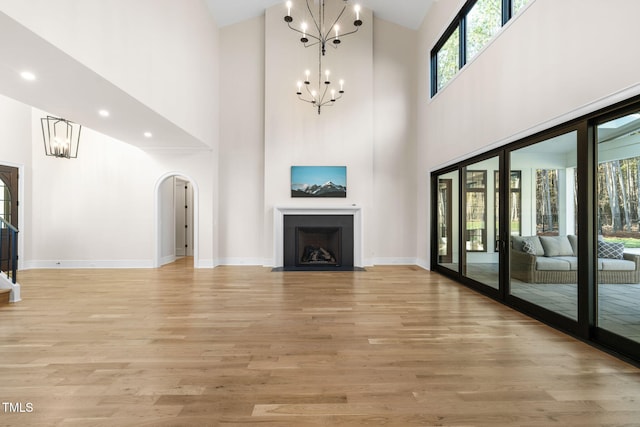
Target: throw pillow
column 573, row 239
column 556, row 246
column 528, row 247
column 610, row 250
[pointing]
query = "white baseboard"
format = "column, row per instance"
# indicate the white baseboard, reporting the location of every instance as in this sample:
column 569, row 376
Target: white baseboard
column 423, row 264
column 202, row 263
column 167, row 259
column 394, row 261
column 68, row 264
column 243, row 261
column 206, row 263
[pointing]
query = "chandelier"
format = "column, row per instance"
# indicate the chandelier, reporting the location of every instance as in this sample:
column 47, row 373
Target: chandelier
column 319, row 97
column 324, row 34
column 320, row 34
column 61, row 137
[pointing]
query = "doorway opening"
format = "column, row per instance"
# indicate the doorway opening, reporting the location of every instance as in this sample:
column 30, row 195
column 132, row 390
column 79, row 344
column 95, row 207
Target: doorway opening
column 176, row 219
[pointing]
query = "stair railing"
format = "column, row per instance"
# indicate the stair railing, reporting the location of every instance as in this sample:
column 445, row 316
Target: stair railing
column 8, row 250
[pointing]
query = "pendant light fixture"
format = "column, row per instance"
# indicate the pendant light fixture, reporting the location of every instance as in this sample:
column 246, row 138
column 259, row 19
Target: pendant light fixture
column 321, row 93
column 61, row 137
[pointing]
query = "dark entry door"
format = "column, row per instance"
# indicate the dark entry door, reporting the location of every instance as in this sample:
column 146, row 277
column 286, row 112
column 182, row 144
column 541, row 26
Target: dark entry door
column 9, row 194
column 8, row 210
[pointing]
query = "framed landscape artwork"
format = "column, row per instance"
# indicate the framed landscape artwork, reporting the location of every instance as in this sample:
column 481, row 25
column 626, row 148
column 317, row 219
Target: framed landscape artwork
column 318, row 181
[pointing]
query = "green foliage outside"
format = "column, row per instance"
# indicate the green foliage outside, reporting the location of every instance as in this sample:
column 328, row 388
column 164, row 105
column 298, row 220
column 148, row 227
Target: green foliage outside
column 519, row 4
column 448, row 59
column 484, row 20
column 629, row 242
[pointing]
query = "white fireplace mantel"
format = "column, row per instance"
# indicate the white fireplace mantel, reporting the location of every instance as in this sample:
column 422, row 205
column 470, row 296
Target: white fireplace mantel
column 278, row 227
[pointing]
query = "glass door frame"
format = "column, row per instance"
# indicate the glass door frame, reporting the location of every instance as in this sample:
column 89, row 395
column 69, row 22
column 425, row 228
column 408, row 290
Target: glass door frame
column 536, row 311
column 460, row 223
column 600, row 335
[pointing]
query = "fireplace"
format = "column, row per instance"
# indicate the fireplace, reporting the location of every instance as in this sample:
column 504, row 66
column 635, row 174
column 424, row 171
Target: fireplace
column 318, row 242
column 353, row 211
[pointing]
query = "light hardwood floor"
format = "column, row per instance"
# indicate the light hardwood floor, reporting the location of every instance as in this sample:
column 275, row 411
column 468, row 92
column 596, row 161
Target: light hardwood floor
column 244, row 346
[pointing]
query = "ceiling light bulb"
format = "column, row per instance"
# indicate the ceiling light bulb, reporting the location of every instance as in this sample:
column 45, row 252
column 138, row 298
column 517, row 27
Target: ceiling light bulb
column 28, row 75
column 104, row 113
column 148, row 134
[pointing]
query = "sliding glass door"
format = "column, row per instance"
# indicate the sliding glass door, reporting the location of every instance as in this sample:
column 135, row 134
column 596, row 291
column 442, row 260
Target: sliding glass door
column 550, row 225
column 481, row 251
column 446, row 229
column 618, row 225
column 543, row 251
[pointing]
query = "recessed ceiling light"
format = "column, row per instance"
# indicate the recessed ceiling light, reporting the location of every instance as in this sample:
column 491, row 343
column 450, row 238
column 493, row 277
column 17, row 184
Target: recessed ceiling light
column 148, row 134
column 103, row 113
column 28, row 75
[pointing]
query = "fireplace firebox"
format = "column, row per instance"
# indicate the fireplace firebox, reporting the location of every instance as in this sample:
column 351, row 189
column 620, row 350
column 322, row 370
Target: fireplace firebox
column 318, row 245
column 318, row 242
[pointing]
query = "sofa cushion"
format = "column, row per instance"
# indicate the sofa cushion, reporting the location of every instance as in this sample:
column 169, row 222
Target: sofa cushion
column 610, row 250
column 517, row 243
column 572, row 260
column 617, row 264
column 556, row 246
column 552, row 264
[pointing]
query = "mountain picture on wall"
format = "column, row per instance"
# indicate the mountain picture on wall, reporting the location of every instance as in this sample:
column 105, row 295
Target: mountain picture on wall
column 318, row 181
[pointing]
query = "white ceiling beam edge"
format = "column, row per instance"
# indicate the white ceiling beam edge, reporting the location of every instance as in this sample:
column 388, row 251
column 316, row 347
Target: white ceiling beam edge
column 66, row 88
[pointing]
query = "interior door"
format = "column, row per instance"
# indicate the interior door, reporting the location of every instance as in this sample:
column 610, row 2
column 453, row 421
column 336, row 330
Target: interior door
column 184, row 217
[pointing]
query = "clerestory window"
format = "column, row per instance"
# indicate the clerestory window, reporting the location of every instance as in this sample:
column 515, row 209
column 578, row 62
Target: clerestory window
column 475, row 25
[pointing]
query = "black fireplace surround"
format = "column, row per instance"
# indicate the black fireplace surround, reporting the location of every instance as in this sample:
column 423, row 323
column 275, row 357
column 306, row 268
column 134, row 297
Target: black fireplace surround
column 318, row 243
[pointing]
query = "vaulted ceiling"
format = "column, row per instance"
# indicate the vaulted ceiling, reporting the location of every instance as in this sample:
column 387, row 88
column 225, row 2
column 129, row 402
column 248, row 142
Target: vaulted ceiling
column 80, row 97
column 408, row 13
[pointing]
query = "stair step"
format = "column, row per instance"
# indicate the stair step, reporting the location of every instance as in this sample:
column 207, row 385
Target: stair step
column 4, row 296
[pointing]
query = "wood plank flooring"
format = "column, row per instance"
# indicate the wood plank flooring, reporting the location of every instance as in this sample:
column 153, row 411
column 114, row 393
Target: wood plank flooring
column 244, row 346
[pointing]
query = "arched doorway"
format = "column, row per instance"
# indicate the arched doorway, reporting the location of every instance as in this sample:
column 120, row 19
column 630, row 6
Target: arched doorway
column 176, row 218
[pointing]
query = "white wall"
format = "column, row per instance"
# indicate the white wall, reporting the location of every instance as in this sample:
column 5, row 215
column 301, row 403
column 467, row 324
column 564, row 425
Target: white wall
column 94, row 210
column 394, row 169
column 99, row 210
column 161, row 52
column 241, row 172
column 555, row 61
